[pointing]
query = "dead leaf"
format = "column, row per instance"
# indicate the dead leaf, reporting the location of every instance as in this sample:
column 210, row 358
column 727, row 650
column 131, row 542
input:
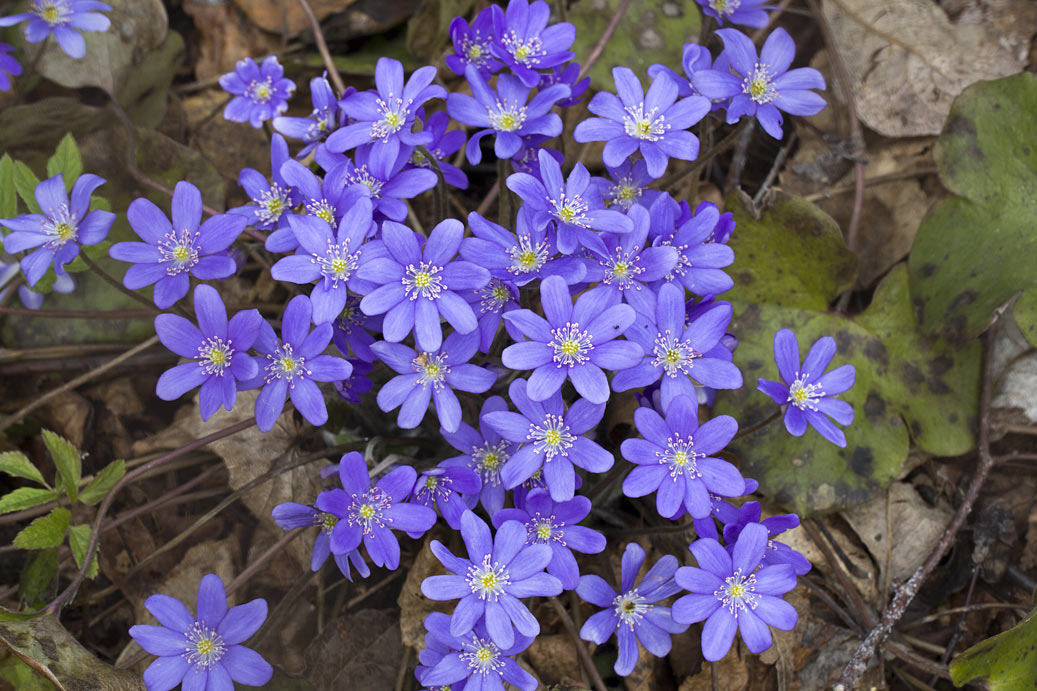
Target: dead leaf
column 866, row 583
column 414, row 606
column 1015, row 371
column 732, row 673
column 908, row 61
column 645, row 674
column 554, row 658
column 286, row 17
column 226, row 37
column 67, row 415
column 362, row 650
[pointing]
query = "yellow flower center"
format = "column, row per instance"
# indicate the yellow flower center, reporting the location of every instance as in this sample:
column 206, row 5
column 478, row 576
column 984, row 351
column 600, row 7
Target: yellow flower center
column 64, row 231
column 736, row 590
column 422, row 279
column 367, row 512
column 431, row 481
column 552, row 437
column 567, row 214
column 491, row 461
column 544, row 531
column 288, row 365
column 489, row 580
column 217, row 356
column 474, row 52
column 181, row 253
column 570, row 346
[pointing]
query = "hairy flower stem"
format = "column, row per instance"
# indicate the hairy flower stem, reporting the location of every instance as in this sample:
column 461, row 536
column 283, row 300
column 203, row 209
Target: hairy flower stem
column 322, row 48
column 107, row 278
column 759, row 425
column 439, row 192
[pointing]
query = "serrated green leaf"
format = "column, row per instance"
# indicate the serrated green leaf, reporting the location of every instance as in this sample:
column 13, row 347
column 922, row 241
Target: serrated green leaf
column 105, row 480
column 25, row 498
column 8, row 195
column 25, row 182
column 1008, row 660
column 69, row 462
column 38, row 575
column 79, row 540
column 18, row 464
column 45, row 531
column 66, row 161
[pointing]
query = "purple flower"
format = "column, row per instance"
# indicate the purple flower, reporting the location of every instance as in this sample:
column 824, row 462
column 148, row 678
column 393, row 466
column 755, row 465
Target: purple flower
column 655, row 123
column 294, row 364
column 734, row 592
column 632, row 614
column 385, row 181
column 675, row 458
column 574, row 204
column 809, row 390
column 444, row 143
column 762, row 87
column 431, row 376
column 8, row 66
column 699, row 259
column 260, row 91
column 629, row 186
column 271, row 200
column 491, row 582
column 484, row 452
column 218, row 351
column 744, row 12
column 331, row 258
column 203, row 652
column 694, row 58
column 574, row 342
column 170, row 252
column 443, row 486
column 291, row 515
column 472, row 44
column 554, row 524
column 62, row 18
column 353, row 331
column 569, row 75
column 370, row 514
column 417, row 284
column 723, row 511
column 505, row 113
column 354, row 387
column 776, row 552
column 527, row 160
column 58, row 232
column 527, row 44
column 681, row 354
column 520, row 256
column 495, row 299
column 321, row 122
column 326, row 199
column 551, row 438
column 385, row 118
column 472, row 658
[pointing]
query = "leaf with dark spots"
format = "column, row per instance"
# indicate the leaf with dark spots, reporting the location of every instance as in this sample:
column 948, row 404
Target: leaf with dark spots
column 875, row 407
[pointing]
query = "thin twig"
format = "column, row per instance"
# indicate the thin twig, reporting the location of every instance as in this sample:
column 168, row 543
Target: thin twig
column 779, row 160
column 262, row 559
column 110, row 280
column 581, row 649
column 322, row 48
column 759, row 425
column 871, row 182
column 671, row 181
column 599, row 47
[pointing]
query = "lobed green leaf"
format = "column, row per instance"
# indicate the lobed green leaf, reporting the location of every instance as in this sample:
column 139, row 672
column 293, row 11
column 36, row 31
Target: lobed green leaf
column 18, row 464
column 69, row 461
column 45, row 531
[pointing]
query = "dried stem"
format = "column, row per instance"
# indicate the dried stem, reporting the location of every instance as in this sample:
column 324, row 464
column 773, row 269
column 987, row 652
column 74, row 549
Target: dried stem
column 581, row 648
column 80, row 314
column 759, row 425
column 599, row 47
column 723, row 145
column 322, row 48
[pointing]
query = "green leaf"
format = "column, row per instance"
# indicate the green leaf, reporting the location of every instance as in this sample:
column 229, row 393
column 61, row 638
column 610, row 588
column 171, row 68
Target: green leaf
column 25, row 182
column 66, row 161
column 95, row 252
column 21, row 676
column 1007, row 660
column 105, row 480
column 18, row 464
column 79, row 540
column 69, row 462
column 974, row 251
column 8, row 195
column 38, row 575
column 25, row 498
column 45, row 531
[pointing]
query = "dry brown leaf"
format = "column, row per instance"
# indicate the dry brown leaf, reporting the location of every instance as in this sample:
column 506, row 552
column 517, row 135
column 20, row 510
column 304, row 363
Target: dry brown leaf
column 286, row 17
column 225, row 37
column 414, row 606
column 1014, row 365
column 362, row 650
column 908, row 61
column 867, row 584
column 554, row 658
column 732, row 674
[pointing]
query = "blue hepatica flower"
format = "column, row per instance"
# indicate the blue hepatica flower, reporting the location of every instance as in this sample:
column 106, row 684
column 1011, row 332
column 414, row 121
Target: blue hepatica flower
column 551, row 438
column 744, row 12
column 353, row 331
column 629, row 185
column 9, row 67
column 694, row 58
column 574, row 342
column 721, row 510
column 272, row 200
column 762, row 87
column 776, row 552
column 495, row 299
column 291, row 515
column 498, row 573
column 171, row 253
column 554, row 524
column 567, row 74
column 656, row 123
column 203, row 652
column 431, row 376
column 294, row 364
column 527, row 160
column 520, row 256
column 260, row 91
column 326, row 199
column 62, row 18
column 527, row 43
column 505, row 112
column 385, row 181
column 446, row 488
column 734, row 592
column 385, row 118
column 473, row 660
column 632, row 613
column 484, row 452
column 57, row 233
column 218, row 350
column 320, row 123
column 574, row 204
column 443, row 145
column 808, row 390
column 675, row 459
column 417, row 284
column 472, row 44
column 370, row 514
column 700, row 259
column 354, row 387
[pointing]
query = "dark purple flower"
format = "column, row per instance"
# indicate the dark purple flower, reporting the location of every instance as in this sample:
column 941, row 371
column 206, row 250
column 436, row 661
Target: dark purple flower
column 629, row 185
column 744, row 12
column 353, row 331
column 554, row 524
column 632, row 614
column 291, row 515
column 574, row 342
column 320, row 123
column 172, row 252
column 568, row 74
column 386, row 182
column 203, row 652
column 527, row 43
column 809, row 390
column 694, row 58
column 681, row 354
column 734, row 592
column 674, row 458
column 520, row 256
column 271, row 199
column 498, row 573
column 385, row 118
column 505, row 113
column 444, row 487
column 527, row 160
column 763, row 87
column 294, row 364
column 62, row 18
column 776, row 552
column 431, row 376
column 353, row 388
column 656, row 123
column 721, row 510
column 370, row 514
column 325, row 199
column 472, row 44
column 260, row 91
column 473, row 659
column 574, row 204
column 418, row 284
column 218, row 351
column 483, row 451
column 699, row 259
column 9, row 67
column 444, row 143
column 494, row 300
column 551, row 438
column 58, row 232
